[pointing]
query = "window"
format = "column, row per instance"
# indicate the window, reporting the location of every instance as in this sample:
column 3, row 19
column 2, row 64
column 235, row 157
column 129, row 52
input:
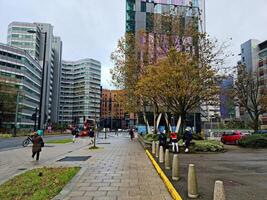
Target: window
column 143, row 6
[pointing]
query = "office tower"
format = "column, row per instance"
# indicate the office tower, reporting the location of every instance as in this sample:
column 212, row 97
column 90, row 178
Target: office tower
column 80, row 91
column 35, row 38
column 140, row 14
column 19, row 69
column 249, row 54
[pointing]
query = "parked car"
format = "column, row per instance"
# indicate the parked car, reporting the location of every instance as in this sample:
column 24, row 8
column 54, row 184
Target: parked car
column 261, row 132
column 231, row 137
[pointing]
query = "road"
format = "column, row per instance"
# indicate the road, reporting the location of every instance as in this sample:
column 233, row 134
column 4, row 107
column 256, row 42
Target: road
column 14, row 143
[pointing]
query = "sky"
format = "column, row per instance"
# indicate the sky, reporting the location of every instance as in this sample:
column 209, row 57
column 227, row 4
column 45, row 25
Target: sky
column 91, row 28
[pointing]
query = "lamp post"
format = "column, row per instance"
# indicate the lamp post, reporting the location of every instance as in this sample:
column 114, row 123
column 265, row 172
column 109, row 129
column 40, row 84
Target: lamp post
column 42, row 80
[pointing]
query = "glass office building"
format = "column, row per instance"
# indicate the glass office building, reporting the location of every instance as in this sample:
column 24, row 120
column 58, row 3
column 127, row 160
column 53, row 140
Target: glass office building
column 140, row 14
column 80, row 91
column 18, row 68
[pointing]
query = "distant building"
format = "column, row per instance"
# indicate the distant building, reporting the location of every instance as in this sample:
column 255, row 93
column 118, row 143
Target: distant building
column 31, row 38
column 227, row 104
column 80, row 91
column 113, row 114
column 254, row 58
column 20, row 69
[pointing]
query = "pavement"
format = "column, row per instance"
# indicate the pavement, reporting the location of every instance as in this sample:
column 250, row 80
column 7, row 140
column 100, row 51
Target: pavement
column 119, row 170
column 243, row 171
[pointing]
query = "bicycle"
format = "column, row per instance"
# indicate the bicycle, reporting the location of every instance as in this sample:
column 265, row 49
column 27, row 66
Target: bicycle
column 27, row 141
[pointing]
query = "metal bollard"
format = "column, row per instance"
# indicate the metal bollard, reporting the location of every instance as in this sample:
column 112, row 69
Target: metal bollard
column 153, row 147
column 192, row 182
column 175, row 168
column 167, row 159
column 161, row 154
column 219, row 193
column 157, row 149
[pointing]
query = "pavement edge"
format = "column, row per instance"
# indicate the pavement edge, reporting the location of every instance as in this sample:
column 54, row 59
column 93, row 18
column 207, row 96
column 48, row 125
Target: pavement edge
column 67, row 189
column 175, row 195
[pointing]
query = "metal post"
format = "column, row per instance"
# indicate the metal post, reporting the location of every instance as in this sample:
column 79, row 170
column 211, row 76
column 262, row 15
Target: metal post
column 16, row 114
column 42, row 83
column 35, row 119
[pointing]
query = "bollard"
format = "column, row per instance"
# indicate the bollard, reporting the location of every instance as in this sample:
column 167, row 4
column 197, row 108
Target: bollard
column 153, row 147
column 219, row 193
column 192, row 182
column 157, row 149
column 161, row 154
column 175, row 168
column 167, row 159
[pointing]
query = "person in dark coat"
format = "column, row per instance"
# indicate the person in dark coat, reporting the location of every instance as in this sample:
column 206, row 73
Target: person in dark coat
column 188, row 136
column 38, row 143
column 131, row 133
column 92, row 136
column 163, row 139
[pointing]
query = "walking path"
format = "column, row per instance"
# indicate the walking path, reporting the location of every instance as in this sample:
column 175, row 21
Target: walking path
column 121, row 171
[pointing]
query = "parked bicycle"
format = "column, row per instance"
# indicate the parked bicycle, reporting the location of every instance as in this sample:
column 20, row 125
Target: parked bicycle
column 27, row 141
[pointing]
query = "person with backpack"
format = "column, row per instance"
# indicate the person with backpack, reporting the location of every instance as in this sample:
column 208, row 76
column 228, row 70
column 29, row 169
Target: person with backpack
column 38, row 143
column 188, row 136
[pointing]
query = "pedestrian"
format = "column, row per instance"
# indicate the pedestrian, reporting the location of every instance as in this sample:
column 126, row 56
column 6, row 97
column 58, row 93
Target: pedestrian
column 187, row 138
column 74, row 133
column 163, row 139
column 131, row 133
column 38, row 143
column 91, row 136
column 174, row 141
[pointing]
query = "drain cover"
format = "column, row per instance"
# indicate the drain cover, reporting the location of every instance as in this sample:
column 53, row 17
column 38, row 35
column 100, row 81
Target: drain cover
column 103, row 143
column 21, row 169
column 74, row 158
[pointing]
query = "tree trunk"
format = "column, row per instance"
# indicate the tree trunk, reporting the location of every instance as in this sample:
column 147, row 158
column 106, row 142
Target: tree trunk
column 183, row 121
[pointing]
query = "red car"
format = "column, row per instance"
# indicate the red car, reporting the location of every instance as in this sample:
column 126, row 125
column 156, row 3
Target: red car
column 231, row 137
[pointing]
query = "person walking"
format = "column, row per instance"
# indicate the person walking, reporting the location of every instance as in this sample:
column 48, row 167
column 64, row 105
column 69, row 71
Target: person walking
column 174, row 141
column 163, row 139
column 91, row 136
column 38, row 143
column 188, row 136
column 131, row 133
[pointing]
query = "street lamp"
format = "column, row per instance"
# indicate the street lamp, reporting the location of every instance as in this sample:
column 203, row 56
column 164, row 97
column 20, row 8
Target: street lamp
column 42, row 80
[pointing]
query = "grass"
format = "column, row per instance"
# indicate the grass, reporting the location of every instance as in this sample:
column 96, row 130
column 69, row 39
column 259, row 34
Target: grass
column 6, row 135
column 62, row 141
column 254, row 141
column 37, row 184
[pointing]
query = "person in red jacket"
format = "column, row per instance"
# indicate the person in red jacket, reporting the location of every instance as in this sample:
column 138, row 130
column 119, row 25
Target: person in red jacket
column 174, row 141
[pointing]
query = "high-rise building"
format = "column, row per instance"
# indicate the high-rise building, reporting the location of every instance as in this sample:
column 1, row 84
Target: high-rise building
column 80, row 91
column 140, row 13
column 254, row 58
column 262, row 72
column 249, row 54
column 18, row 68
column 35, row 38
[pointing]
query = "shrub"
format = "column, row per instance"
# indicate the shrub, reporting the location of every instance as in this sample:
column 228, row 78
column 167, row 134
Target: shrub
column 208, row 146
column 254, row 141
column 197, row 136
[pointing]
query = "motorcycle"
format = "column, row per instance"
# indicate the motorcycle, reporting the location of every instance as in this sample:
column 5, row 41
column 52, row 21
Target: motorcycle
column 27, row 141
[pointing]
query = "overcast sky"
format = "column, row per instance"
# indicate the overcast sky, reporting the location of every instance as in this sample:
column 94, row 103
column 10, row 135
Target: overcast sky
column 91, row 28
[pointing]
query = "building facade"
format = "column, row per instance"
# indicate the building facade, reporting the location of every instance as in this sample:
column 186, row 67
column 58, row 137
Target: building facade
column 18, row 68
column 80, row 91
column 254, row 58
column 140, row 13
column 35, row 38
column 113, row 114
